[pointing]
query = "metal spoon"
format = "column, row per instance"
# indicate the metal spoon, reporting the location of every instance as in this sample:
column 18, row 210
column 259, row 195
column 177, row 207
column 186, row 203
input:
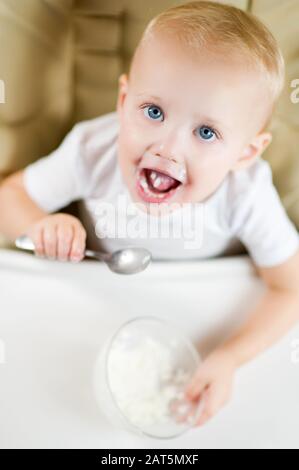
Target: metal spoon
column 129, row 260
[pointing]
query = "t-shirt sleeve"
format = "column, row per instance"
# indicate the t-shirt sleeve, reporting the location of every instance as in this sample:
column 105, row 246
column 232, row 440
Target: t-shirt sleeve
column 261, row 223
column 59, row 178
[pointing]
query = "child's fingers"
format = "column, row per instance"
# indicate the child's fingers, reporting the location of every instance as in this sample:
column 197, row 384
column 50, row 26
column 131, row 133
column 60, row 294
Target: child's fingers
column 187, row 411
column 183, row 410
column 78, row 244
column 37, row 239
column 195, row 386
column 203, row 418
column 210, row 406
column 50, row 241
column 65, row 236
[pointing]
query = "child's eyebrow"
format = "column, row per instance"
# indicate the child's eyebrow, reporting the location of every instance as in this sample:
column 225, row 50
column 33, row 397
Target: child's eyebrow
column 211, row 122
column 149, row 96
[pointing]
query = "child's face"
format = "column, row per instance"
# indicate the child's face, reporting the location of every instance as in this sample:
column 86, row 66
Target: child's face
column 179, row 112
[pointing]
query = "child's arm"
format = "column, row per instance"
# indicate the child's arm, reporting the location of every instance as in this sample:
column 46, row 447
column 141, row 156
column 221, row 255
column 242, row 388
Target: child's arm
column 276, row 313
column 59, row 235
column 17, row 209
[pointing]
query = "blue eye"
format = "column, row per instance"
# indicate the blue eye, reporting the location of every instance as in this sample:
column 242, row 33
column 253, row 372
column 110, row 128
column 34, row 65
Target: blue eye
column 153, row 111
column 206, row 133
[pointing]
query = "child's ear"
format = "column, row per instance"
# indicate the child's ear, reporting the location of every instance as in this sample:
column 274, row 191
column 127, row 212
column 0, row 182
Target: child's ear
column 253, row 150
column 122, row 90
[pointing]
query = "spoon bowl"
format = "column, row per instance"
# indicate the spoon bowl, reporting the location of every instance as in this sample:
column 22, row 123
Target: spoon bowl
column 129, row 260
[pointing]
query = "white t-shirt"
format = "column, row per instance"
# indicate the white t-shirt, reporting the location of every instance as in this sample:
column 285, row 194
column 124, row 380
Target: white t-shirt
column 243, row 212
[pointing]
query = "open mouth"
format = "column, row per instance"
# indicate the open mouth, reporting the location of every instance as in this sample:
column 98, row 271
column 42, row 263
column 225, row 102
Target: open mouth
column 156, row 186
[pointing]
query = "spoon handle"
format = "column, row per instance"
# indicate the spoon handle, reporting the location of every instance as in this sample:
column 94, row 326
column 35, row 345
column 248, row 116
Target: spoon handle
column 25, row 243
column 97, row 255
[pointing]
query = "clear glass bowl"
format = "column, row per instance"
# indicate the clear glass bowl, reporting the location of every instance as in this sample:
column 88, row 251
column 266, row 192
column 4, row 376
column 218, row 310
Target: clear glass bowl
column 139, row 378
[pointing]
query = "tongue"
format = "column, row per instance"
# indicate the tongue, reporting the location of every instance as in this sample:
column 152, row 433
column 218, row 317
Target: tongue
column 160, row 181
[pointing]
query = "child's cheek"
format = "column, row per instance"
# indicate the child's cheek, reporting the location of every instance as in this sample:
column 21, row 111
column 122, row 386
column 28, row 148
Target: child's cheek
column 131, row 144
column 135, row 134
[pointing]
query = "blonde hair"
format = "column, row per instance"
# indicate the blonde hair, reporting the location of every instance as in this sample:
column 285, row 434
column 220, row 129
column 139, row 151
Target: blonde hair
column 221, row 27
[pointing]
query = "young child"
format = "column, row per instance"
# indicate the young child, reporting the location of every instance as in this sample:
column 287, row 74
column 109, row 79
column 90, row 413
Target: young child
column 189, row 131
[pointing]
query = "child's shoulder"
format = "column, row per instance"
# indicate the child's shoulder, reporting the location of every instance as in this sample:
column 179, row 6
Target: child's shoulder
column 247, row 183
column 247, row 191
column 257, row 217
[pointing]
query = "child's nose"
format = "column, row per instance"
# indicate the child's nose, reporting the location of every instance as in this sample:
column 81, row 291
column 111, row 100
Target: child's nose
column 169, row 148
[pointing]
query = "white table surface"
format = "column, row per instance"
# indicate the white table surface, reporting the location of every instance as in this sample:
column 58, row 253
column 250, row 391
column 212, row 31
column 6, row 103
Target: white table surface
column 55, row 316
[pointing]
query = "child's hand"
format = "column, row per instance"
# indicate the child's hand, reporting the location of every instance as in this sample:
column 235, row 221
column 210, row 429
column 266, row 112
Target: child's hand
column 58, row 236
column 212, row 383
